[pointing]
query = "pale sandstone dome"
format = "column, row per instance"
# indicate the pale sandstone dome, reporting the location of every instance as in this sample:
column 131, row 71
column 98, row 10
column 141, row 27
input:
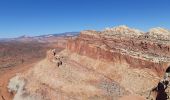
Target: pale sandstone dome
column 160, row 33
column 119, row 30
column 89, row 32
column 124, row 30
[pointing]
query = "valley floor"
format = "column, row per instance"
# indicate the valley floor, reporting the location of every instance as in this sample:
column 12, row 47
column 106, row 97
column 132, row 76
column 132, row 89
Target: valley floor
column 8, row 74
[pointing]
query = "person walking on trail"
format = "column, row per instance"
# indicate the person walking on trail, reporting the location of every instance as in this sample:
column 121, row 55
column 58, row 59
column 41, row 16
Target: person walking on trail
column 160, row 90
column 162, row 86
column 167, row 73
column 54, row 52
column 161, row 94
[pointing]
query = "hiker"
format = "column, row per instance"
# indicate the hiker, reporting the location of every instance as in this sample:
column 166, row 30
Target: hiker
column 162, row 86
column 160, row 90
column 54, row 52
column 167, row 73
column 161, row 94
column 59, row 63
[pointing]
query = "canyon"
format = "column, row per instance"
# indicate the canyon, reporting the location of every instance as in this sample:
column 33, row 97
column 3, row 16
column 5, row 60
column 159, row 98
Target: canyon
column 19, row 54
column 111, row 64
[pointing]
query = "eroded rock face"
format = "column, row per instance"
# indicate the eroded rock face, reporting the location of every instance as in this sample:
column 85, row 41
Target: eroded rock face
column 140, row 58
column 160, row 33
column 123, row 30
column 138, row 50
column 101, row 65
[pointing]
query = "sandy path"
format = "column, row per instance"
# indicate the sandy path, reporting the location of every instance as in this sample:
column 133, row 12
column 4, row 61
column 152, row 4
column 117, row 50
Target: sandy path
column 132, row 97
column 4, row 79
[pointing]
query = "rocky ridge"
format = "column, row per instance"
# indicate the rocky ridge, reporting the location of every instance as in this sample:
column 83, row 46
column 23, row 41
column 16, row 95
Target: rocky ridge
column 125, row 41
column 100, row 65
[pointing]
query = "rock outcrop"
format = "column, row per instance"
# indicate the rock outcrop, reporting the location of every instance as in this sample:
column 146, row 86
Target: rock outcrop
column 145, row 56
column 138, row 49
column 159, row 33
column 102, row 65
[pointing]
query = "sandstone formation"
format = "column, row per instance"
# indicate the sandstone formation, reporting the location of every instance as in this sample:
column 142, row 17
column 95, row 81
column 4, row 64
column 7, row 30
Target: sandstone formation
column 126, row 43
column 100, row 65
column 159, row 33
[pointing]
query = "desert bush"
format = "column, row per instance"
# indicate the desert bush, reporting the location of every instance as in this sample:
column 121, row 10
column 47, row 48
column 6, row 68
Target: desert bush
column 17, row 85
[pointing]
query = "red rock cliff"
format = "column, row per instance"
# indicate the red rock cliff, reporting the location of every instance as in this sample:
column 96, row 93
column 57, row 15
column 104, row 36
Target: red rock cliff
column 139, row 50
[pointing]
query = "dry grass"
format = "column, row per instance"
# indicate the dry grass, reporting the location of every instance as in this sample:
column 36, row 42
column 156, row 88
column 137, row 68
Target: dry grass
column 83, row 78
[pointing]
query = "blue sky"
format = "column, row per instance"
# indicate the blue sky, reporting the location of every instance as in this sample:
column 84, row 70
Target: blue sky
column 37, row 17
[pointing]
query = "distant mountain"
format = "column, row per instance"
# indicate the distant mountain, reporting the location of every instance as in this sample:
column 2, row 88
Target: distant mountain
column 5, row 39
column 41, row 38
column 68, row 34
column 61, row 34
column 51, row 35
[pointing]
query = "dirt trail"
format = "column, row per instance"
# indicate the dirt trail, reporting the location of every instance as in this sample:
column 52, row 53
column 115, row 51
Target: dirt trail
column 132, row 97
column 4, row 79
